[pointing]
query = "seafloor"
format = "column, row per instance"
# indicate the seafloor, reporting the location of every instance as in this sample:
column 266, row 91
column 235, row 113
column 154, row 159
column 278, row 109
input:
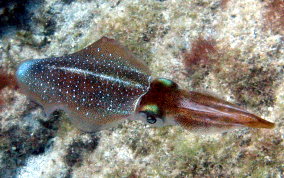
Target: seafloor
column 234, row 49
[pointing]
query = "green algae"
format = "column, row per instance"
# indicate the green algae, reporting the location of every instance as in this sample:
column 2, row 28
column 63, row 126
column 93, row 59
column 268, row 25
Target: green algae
column 65, row 126
column 136, row 36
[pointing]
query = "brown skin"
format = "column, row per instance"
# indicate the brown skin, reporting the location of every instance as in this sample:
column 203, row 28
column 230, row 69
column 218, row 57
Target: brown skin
column 197, row 111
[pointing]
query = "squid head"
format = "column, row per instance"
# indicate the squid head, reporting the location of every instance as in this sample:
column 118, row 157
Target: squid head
column 166, row 104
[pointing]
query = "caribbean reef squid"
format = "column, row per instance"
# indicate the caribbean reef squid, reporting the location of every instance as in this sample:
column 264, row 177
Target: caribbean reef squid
column 104, row 84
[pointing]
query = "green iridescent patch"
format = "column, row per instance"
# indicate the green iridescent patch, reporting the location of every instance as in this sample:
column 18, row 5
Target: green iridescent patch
column 151, row 108
column 166, row 82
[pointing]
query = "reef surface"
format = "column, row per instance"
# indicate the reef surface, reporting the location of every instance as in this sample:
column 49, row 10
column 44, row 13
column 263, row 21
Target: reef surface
column 233, row 49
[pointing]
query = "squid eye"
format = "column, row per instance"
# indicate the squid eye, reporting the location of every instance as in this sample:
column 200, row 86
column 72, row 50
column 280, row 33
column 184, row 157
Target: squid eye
column 151, row 119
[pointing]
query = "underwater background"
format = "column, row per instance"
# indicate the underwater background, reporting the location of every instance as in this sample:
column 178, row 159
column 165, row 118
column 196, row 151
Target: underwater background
column 231, row 48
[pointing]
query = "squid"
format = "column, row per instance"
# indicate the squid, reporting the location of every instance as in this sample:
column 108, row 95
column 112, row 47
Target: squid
column 103, row 84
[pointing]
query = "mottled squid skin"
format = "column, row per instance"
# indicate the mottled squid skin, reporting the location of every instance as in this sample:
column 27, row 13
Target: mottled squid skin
column 97, row 87
column 104, row 84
